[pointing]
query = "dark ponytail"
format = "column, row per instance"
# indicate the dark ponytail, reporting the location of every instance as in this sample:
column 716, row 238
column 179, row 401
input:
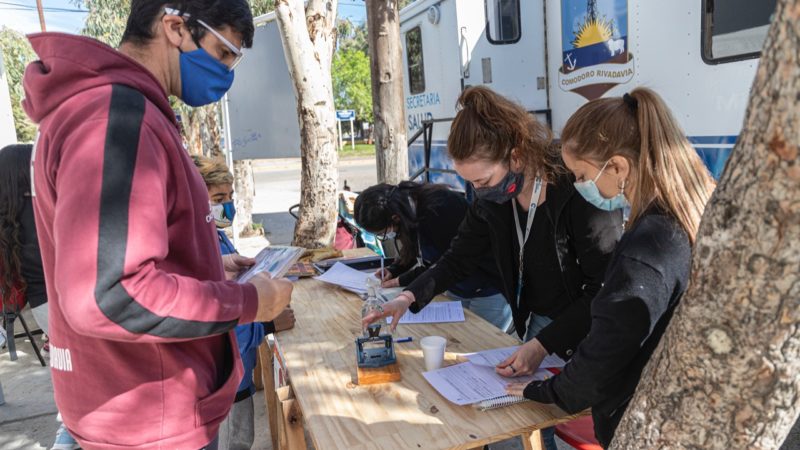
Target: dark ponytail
column 15, row 183
column 376, row 207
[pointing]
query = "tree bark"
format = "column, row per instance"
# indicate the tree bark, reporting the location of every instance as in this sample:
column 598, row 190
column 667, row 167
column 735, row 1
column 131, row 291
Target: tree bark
column 308, row 42
column 201, row 130
column 726, row 375
column 386, row 67
column 244, row 186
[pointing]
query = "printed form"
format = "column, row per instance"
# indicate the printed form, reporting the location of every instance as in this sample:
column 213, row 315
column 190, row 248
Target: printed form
column 345, row 276
column 493, row 357
column 435, row 312
column 468, row 383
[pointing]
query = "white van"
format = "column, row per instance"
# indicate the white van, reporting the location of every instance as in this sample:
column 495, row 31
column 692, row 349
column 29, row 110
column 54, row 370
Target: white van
column 552, row 56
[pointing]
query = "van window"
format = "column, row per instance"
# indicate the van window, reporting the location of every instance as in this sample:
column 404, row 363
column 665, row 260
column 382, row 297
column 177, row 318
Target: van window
column 735, row 29
column 502, row 21
column 416, row 68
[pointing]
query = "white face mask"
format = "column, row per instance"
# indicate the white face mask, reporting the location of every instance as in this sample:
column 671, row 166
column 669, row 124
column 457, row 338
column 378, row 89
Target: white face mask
column 386, row 235
column 222, row 213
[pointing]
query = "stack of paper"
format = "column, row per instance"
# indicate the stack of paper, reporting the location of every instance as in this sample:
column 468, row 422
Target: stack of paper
column 274, row 259
column 347, row 278
column 476, row 380
column 493, row 357
column 436, row 312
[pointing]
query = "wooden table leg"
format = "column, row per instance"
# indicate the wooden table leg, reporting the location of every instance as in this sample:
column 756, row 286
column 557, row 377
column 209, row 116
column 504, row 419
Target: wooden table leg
column 258, row 377
column 292, row 436
column 533, row 440
column 268, row 379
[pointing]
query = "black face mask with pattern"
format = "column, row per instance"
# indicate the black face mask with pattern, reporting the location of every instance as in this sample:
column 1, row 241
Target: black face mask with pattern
column 508, row 188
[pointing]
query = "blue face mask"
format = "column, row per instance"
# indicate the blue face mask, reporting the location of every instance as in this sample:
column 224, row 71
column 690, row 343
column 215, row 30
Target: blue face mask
column 589, row 191
column 204, row 80
column 223, row 213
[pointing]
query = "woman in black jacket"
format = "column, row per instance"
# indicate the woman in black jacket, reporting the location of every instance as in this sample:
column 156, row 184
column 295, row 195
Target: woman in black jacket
column 523, row 196
column 424, row 218
column 20, row 258
column 646, row 164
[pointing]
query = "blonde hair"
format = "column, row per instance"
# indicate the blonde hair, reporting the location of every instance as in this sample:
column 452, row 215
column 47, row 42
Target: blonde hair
column 665, row 168
column 489, row 125
column 214, row 172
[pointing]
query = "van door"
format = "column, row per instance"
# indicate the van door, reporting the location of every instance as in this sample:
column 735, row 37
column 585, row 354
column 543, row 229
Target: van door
column 432, row 74
column 508, row 54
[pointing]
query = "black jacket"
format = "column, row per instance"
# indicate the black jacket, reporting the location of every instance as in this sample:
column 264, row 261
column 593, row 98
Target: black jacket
column 31, row 257
column 646, row 278
column 584, row 238
column 437, row 224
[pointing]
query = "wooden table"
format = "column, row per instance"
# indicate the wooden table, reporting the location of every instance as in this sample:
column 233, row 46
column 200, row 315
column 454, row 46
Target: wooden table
column 319, row 355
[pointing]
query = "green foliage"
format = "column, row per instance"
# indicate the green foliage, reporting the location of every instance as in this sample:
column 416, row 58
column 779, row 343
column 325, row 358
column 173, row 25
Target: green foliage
column 351, row 36
column 106, row 20
column 17, row 53
column 261, row 7
column 352, row 88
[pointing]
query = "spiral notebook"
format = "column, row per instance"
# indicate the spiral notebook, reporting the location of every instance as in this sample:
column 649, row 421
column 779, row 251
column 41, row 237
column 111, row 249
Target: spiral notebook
column 499, row 402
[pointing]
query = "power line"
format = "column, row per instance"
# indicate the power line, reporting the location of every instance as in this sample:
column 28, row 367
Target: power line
column 22, row 6
column 16, row 8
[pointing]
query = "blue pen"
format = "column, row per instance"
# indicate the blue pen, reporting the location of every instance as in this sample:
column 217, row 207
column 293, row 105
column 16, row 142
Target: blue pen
column 403, row 339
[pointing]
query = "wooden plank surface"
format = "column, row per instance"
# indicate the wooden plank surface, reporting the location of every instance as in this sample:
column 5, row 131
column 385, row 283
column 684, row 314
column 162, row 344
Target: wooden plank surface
column 378, row 375
column 409, row 414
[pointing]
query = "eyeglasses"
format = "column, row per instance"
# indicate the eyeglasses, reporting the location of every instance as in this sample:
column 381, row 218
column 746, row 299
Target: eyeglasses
column 238, row 55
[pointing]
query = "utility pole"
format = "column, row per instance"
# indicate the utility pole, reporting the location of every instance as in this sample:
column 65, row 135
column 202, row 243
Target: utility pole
column 386, row 67
column 41, row 15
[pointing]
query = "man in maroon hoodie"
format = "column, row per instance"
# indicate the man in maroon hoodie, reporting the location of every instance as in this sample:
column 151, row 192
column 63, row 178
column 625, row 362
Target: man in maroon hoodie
column 142, row 352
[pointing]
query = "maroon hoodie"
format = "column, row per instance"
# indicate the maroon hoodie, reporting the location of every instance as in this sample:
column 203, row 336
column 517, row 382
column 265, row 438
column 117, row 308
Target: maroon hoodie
column 142, row 352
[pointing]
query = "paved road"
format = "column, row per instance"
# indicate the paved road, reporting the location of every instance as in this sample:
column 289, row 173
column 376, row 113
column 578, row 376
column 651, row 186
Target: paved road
column 278, row 188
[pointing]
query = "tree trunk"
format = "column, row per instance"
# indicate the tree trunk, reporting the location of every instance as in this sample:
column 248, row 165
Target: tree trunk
column 201, row 129
column 726, row 375
column 386, row 67
column 308, row 42
column 244, row 186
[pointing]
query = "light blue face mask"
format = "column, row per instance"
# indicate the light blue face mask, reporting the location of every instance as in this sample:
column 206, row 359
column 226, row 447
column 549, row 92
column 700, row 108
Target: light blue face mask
column 590, row 192
column 387, row 235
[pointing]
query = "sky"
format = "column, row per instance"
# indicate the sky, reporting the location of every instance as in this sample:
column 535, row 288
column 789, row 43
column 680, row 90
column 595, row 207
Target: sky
column 21, row 15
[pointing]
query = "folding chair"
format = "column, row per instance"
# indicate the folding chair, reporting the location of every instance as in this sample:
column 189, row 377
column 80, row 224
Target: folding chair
column 8, row 324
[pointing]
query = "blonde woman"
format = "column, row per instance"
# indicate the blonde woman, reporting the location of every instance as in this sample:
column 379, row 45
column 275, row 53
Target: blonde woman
column 629, row 153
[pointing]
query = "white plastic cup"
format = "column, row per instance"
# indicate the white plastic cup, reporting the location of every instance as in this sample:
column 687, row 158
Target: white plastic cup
column 433, row 351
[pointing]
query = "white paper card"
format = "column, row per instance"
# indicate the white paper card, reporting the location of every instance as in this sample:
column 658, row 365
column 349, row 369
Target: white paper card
column 345, row 276
column 275, row 259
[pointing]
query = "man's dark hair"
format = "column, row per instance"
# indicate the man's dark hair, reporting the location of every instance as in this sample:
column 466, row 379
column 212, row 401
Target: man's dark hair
column 216, row 13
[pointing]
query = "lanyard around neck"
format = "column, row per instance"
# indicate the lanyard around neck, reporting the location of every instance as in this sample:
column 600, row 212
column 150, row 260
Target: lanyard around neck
column 523, row 239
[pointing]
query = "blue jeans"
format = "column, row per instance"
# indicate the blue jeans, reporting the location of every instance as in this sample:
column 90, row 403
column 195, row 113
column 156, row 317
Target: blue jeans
column 535, row 326
column 494, row 309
